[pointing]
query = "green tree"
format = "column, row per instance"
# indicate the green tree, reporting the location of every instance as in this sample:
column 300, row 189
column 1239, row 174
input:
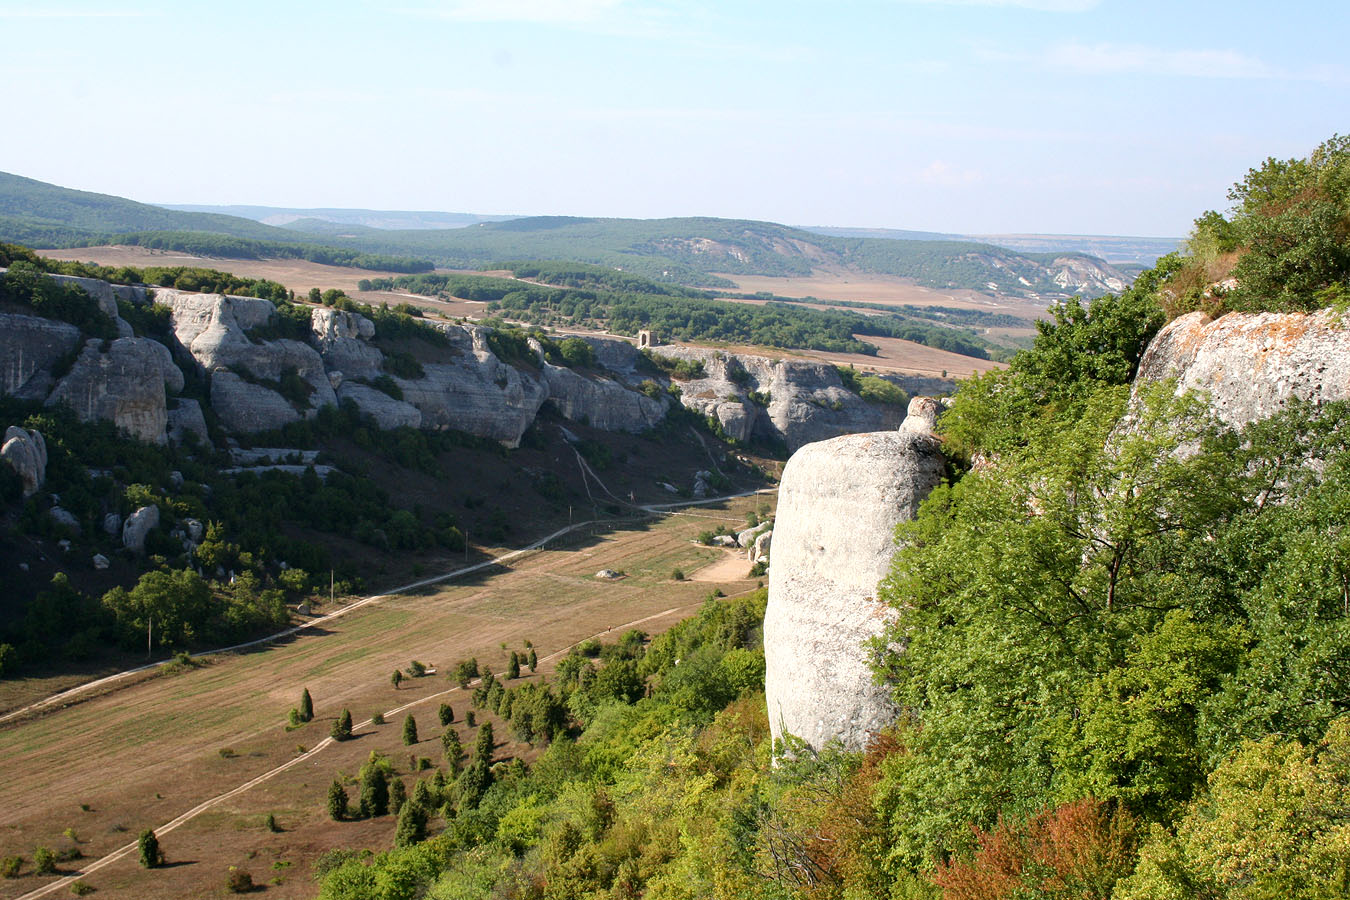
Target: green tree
column 398, row 795
column 409, row 730
column 44, row 861
column 337, row 801
column 412, row 825
column 482, row 748
column 306, row 706
column 396, row 679
column 445, row 714
column 178, row 601
column 454, row 751
column 534, row 660
column 342, row 727
column 374, row 791
column 513, row 666
column 152, row 857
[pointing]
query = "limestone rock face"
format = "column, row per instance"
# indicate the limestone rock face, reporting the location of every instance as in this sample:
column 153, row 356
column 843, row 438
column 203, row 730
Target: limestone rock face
column 388, row 412
column 125, row 385
column 213, row 329
column 26, row 452
column 1253, row 364
column 601, row 402
column 477, row 393
column 137, row 526
column 246, row 407
column 833, row 538
column 806, row 401
column 29, row 347
column 340, row 337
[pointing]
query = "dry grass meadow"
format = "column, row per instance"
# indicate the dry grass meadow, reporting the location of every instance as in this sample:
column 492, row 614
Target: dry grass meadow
column 142, row 754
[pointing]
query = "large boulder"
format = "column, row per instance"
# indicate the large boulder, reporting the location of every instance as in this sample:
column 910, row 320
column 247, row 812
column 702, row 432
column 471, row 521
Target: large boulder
column 1252, row 364
column 477, row 392
column 340, row 337
column 104, row 293
column 26, row 452
column 124, row 383
column 387, row 411
column 137, row 526
column 834, row 535
column 29, row 348
column 601, row 402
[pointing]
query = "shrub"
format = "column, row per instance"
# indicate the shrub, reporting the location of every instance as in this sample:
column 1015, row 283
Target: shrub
column 454, row 751
column 409, row 731
column 306, row 706
column 513, row 666
column 44, row 861
column 469, row 718
column 678, row 574
column 445, row 714
column 377, row 719
column 152, row 857
column 81, row 888
column 342, row 728
column 270, row 823
column 397, row 678
column 10, row 866
column 417, row 669
column 398, row 795
column 374, row 791
column 238, row 881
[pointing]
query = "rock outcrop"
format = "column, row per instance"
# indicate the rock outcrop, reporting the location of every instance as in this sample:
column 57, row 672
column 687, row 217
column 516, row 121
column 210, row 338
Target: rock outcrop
column 186, row 418
column 1252, row 364
column 838, row 504
column 124, row 384
column 387, row 411
column 340, row 337
column 790, row 400
column 601, row 402
column 26, row 452
column 213, row 329
column 29, row 349
column 477, row 393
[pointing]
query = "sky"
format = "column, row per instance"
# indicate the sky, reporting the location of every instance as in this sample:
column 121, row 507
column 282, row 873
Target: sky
column 975, row 116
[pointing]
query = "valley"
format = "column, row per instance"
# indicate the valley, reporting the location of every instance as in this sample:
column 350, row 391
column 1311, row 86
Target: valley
column 156, row 747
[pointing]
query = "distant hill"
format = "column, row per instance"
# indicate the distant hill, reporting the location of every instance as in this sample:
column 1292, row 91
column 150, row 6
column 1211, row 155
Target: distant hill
column 1114, row 249
column 291, row 217
column 695, row 250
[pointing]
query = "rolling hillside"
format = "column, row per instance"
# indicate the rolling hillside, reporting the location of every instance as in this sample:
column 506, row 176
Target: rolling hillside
column 696, row 251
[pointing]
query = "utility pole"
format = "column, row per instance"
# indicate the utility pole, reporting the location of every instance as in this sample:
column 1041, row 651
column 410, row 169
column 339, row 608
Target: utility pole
column 149, row 633
column 331, row 587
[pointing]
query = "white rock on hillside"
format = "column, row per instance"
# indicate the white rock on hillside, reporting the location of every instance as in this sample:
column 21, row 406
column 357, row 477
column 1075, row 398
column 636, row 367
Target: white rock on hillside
column 125, row 385
column 137, row 526
column 26, row 452
column 838, row 504
column 601, row 402
column 1252, row 364
column 340, row 337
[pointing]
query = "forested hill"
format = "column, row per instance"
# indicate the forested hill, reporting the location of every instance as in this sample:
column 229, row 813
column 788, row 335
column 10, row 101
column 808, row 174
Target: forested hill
column 695, row 251
column 45, row 215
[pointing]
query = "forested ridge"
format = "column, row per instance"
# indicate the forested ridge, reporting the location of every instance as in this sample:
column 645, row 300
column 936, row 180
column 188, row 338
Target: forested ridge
column 1126, row 663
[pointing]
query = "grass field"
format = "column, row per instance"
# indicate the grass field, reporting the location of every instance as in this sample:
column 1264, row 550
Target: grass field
column 141, row 755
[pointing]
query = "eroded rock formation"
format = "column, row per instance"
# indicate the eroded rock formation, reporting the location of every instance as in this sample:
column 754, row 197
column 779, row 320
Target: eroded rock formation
column 26, row 452
column 1252, row 364
column 124, row 384
column 838, row 504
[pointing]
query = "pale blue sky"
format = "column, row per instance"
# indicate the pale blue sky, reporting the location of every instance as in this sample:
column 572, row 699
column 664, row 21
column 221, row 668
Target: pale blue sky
column 1074, row 116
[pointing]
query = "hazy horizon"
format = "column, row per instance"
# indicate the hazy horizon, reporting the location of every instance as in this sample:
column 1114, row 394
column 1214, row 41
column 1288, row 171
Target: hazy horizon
column 1072, row 117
